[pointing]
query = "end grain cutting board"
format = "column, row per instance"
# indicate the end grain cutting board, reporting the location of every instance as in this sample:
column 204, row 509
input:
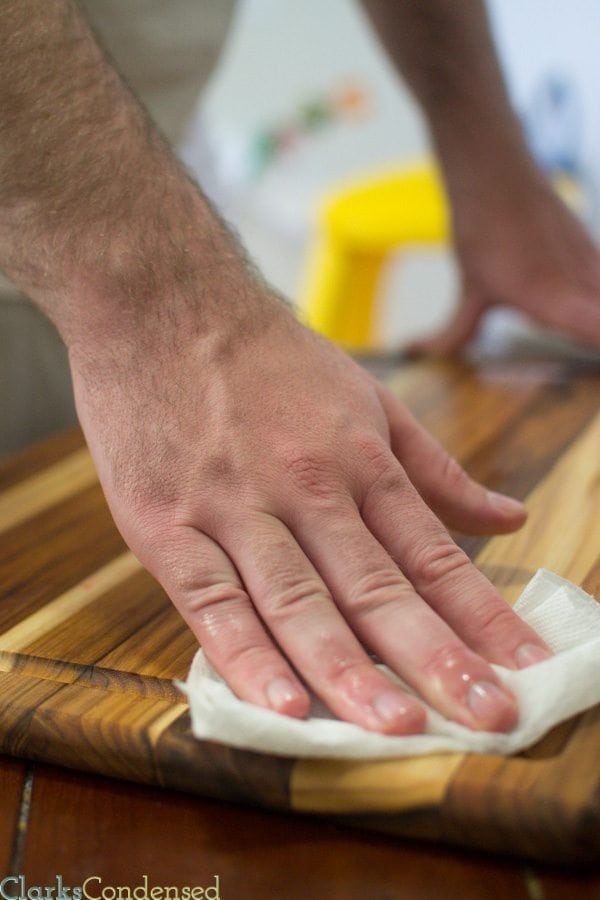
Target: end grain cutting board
column 89, row 643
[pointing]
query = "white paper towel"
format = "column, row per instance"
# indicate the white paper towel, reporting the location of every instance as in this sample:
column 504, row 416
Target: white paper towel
column 548, row 692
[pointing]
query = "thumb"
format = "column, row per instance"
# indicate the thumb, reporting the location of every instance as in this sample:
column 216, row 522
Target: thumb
column 458, row 331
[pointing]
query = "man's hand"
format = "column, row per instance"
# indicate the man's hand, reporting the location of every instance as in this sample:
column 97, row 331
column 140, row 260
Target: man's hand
column 528, row 252
column 285, row 501
column 516, row 242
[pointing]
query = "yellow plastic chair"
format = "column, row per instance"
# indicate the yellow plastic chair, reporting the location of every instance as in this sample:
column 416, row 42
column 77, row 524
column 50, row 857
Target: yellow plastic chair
column 359, row 226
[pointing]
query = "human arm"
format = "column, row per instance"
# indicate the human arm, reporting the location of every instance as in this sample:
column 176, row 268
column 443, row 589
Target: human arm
column 284, row 499
column 515, row 240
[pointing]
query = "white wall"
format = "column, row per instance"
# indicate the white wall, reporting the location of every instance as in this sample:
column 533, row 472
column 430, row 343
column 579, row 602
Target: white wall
column 537, row 39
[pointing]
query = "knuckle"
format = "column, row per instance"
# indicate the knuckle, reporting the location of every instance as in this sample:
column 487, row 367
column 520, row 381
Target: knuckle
column 311, row 473
column 390, row 479
column 380, row 470
column 376, row 592
column 493, row 621
column 204, row 592
column 374, row 451
column 246, row 659
column 294, row 596
column 437, row 559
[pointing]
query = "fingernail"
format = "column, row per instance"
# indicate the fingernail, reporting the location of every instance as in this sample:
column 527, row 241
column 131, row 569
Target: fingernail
column 491, row 705
column 528, row 654
column 281, row 692
column 505, row 504
column 393, row 709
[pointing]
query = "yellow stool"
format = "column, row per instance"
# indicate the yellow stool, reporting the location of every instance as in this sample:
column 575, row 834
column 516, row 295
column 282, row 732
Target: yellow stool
column 359, row 226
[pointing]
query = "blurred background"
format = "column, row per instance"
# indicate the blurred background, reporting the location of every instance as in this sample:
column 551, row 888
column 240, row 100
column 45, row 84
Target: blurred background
column 303, row 107
column 303, row 102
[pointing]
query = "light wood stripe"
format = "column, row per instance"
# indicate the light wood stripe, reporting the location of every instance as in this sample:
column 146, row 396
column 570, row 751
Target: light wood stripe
column 90, row 675
column 160, row 724
column 44, row 490
column 351, row 786
column 76, row 598
column 562, row 532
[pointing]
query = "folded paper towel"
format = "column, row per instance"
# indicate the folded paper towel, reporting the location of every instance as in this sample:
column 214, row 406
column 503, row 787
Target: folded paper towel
column 549, row 692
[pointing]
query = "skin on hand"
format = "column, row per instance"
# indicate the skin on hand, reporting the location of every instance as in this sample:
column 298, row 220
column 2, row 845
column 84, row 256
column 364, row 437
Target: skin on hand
column 286, row 502
column 529, row 252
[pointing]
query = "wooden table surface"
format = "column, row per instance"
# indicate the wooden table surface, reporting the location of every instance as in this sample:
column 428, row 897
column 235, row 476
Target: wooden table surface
column 509, row 422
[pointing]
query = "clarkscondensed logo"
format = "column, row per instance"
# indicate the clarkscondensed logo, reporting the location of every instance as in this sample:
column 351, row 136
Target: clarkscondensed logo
column 15, row 887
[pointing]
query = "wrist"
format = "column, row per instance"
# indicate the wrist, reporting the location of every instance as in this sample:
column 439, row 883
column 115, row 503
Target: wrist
column 158, row 302
column 162, row 262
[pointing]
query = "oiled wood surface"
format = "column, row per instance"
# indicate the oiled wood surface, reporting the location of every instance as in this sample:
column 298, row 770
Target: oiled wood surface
column 89, row 644
column 80, row 825
column 258, row 855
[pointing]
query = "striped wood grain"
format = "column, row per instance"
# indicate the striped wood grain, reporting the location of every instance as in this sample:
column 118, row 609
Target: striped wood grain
column 39, row 491
column 89, row 643
column 562, row 533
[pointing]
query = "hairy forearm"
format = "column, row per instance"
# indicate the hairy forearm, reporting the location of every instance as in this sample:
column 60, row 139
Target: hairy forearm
column 445, row 52
column 98, row 221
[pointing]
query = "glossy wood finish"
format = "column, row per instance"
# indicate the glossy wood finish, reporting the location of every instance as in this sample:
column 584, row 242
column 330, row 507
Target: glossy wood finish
column 122, row 831
column 91, row 645
column 81, row 825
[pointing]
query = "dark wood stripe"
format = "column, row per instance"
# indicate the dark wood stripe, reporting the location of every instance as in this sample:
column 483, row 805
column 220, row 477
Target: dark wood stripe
column 521, row 803
column 38, row 457
column 93, row 675
column 591, row 584
column 46, row 556
column 12, row 774
column 203, row 767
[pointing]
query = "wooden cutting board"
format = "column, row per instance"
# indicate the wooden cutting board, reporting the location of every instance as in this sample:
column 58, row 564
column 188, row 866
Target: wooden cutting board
column 89, row 643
